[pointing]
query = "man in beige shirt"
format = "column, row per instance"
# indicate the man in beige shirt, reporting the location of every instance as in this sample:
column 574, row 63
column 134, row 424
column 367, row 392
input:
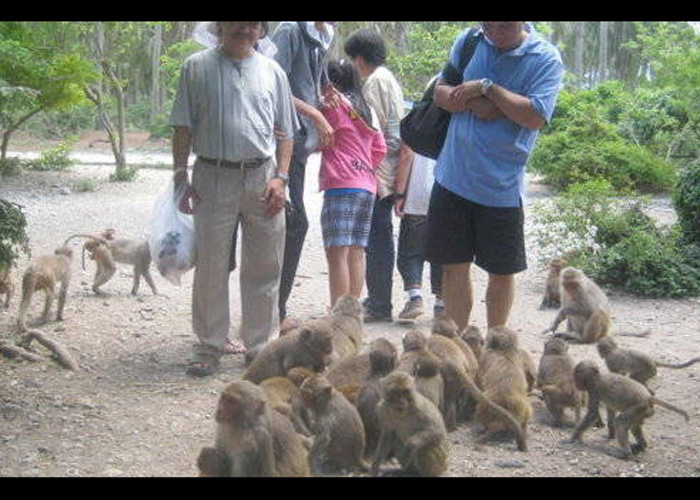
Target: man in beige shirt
column 229, row 103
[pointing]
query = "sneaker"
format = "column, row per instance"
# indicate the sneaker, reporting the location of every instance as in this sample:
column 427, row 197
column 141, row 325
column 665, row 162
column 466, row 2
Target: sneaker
column 412, row 309
column 439, row 312
column 372, row 318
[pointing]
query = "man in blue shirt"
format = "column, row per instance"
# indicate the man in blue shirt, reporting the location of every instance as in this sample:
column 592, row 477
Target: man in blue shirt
column 508, row 91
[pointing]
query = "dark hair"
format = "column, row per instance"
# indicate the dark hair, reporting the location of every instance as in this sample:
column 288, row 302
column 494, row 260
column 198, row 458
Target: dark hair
column 264, row 24
column 344, row 77
column 368, row 44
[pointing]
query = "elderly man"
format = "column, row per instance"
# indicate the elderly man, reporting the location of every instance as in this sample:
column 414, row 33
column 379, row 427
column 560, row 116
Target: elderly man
column 508, row 92
column 234, row 110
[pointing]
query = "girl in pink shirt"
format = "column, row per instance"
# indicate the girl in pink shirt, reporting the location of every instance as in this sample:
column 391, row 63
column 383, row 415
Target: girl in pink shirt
column 348, row 181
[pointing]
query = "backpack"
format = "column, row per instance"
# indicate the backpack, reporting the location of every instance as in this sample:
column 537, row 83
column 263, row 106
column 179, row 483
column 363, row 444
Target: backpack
column 424, row 128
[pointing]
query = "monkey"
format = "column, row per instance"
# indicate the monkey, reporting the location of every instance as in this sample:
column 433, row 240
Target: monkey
column 44, row 273
column 339, row 442
column 502, row 378
column 383, row 359
column 552, row 295
column 348, row 374
column 6, row 286
column 584, row 306
column 424, row 366
column 411, row 429
column 284, row 396
column 346, row 316
column 555, row 378
column 310, row 346
column 448, row 328
column 638, row 365
column 252, row 440
column 474, row 339
column 298, row 374
column 126, row 251
column 529, row 367
column 628, row 404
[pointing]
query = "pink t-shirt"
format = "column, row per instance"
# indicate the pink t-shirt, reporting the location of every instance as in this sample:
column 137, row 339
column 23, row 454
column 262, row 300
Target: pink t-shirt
column 356, row 152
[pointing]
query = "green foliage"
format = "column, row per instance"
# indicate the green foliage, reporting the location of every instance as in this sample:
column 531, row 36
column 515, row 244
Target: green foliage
column 13, row 235
column 56, row 158
column 126, row 174
column 10, row 166
column 85, row 186
column 428, row 52
column 686, row 201
column 616, row 243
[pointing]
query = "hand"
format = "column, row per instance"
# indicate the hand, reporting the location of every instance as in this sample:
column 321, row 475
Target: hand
column 398, row 206
column 325, row 131
column 331, row 97
column 189, row 198
column 274, row 197
column 465, row 91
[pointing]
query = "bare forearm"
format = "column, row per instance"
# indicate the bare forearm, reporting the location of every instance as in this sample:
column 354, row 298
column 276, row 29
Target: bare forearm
column 182, row 143
column 284, row 154
column 404, row 171
column 306, row 109
column 515, row 107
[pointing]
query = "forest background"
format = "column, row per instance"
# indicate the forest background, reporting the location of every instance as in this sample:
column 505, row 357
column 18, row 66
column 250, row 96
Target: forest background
column 626, row 127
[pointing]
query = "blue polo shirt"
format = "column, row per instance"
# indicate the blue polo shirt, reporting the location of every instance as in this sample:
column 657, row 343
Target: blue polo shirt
column 484, row 161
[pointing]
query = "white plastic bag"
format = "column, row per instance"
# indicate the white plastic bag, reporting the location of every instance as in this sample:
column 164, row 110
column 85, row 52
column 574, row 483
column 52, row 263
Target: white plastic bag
column 171, row 238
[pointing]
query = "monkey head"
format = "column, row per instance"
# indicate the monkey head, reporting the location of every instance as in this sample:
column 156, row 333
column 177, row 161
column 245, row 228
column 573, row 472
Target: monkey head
column 316, row 391
column 427, row 365
column 242, row 403
column 108, row 234
column 316, row 336
column 445, row 327
column 500, row 338
column 585, row 374
column 472, row 336
column 383, row 357
column 67, row 251
column 347, row 305
column 398, row 391
column 414, row 341
column 557, row 264
column 570, row 279
column 606, row 345
column 556, row 346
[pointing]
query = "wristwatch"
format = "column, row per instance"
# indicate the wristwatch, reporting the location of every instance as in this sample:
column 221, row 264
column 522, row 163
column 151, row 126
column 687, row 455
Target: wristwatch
column 283, row 176
column 485, row 84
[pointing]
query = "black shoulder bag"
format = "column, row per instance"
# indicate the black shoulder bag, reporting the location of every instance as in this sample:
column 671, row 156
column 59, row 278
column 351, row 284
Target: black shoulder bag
column 424, row 128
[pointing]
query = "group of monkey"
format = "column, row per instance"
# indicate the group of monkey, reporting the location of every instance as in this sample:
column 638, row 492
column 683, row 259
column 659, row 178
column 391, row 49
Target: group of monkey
column 47, row 272
column 313, row 404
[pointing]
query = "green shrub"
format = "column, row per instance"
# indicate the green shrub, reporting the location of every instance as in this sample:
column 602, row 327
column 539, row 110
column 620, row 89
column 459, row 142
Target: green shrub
column 56, row 158
column 126, row 174
column 85, row 186
column 616, row 243
column 13, row 235
column 11, row 166
column 686, row 201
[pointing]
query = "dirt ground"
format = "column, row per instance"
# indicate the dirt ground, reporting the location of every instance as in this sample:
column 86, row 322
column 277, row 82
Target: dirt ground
column 132, row 411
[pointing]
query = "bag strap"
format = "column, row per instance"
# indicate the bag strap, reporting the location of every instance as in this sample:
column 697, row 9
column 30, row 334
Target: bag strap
column 468, row 48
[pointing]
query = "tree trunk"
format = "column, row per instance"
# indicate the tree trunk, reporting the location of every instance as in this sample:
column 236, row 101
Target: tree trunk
column 11, row 129
column 603, row 51
column 156, row 52
column 579, row 36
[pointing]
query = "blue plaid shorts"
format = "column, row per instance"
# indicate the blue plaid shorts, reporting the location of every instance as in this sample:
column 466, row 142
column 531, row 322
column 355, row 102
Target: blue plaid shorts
column 346, row 217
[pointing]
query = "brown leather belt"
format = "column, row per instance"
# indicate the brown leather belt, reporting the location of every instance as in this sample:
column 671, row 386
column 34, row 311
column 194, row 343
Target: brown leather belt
column 242, row 164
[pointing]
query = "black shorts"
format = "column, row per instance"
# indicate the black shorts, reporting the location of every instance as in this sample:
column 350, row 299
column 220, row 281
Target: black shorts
column 459, row 231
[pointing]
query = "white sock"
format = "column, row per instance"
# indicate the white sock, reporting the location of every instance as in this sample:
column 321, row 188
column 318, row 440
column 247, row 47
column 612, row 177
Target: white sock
column 414, row 293
column 439, row 302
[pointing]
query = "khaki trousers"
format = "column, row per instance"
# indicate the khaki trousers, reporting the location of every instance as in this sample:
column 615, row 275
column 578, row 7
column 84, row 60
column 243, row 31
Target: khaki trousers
column 227, row 196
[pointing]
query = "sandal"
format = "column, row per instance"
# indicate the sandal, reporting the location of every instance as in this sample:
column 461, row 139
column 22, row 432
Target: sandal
column 233, row 347
column 203, row 368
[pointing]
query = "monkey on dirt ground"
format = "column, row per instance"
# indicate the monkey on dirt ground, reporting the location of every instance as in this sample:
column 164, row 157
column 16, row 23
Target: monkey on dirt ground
column 6, row 286
column 555, row 378
column 503, row 380
column 346, row 321
column 584, row 306
column 382, row 361
column 252, row 440
column 474, row 339
column 44, row 273
column 284, row 396
column 425, row 366
column 105, row 251
column 638, row 365
column 552, row 296
column 628, row 404
column 339, row 435
column 348, row 375
column 309, row 346
column 448, row 328
column 411, row 429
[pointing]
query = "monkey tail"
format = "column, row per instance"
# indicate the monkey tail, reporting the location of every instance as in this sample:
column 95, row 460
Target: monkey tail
column 28, row 286
column 679, row 365
column 669, row 406
column 89, row 236
column 645, row 333
column 508, row 418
